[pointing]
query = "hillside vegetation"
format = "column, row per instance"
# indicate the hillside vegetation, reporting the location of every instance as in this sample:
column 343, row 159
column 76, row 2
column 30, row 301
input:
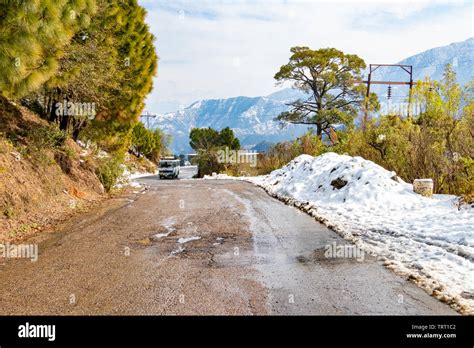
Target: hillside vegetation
column 435, row 142
column 73, row 79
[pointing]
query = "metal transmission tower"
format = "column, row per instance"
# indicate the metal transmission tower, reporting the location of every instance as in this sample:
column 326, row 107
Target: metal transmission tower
column 372, row 67
column 148, row 114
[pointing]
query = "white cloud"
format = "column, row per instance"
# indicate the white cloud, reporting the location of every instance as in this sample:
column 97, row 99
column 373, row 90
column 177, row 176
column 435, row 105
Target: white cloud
column 217, row 49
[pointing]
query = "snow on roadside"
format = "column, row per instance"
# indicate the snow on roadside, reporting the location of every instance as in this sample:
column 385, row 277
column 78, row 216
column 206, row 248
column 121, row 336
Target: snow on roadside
column 136, row 175
column 127, row 177
column 429, row 240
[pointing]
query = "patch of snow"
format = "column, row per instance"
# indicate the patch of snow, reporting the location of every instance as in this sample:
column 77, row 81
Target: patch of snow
column 136, row 175
column 168, row 225
column 188, row 239
column 196, row 105
column 432, row 240
column 102, row 154
column 162, row 235
column 85, row 145
column 219, row 176
column 127, row 177
column 180, row 249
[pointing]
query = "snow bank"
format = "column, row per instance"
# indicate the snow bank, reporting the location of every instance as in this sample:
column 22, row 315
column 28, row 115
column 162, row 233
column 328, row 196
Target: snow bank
column 336, row 179
column 127, row 177
column 429, row 240
column 221, row 177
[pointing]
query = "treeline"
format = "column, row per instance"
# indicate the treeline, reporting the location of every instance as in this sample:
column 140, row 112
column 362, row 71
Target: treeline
column 148, row 143
column 85, row 65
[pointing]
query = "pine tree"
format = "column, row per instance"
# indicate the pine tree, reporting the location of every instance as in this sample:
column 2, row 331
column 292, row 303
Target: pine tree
column 111, row 63
column 33, row 36
column 326, row 76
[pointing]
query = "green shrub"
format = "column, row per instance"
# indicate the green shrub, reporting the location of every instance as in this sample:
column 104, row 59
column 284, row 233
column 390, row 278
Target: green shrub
column 207, row 142
column 46, row 136
column 69, row 152
column 208, row 162
column 147, row 142
column 109, row 171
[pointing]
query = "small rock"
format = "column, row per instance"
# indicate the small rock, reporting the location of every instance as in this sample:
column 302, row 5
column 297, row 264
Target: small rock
column 467, row 295
column 338, row 183
column 396, row 178
column 423, row 187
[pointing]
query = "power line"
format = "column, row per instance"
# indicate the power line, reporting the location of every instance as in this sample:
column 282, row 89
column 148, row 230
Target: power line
column 426, row 66
column 372, row 68
column 147, row 114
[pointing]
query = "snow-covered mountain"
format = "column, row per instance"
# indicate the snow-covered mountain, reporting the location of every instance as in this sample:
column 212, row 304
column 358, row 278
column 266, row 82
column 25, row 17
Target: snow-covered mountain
column 430, row 63
column 252, row 119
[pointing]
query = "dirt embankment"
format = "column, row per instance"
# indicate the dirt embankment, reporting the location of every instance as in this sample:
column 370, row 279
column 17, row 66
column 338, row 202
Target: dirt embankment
column 40, row 182
column 45, row 177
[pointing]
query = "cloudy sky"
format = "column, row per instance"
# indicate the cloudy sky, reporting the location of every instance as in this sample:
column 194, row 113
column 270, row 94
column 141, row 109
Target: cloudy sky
column 225, row 48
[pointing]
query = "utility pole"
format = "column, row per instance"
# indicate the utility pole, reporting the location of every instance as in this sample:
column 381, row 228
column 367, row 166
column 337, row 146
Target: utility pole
column 369, row 81
column 411, row 87
column 148, row 114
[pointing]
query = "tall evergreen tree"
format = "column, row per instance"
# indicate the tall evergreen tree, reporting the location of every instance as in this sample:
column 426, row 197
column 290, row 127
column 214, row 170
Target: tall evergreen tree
column 325, row 75
column 111, row 63
column 33, row 35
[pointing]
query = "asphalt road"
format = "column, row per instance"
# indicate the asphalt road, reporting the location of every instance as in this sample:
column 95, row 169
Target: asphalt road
column 201, row 247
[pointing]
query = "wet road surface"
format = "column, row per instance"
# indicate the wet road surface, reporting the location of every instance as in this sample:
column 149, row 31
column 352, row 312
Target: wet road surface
column 201, row 247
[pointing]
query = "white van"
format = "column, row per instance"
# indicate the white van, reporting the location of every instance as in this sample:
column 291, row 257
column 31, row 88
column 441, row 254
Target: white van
column 169, row 168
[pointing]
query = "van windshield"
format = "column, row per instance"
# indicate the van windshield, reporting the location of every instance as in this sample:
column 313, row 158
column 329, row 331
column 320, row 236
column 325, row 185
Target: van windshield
column 166, row 164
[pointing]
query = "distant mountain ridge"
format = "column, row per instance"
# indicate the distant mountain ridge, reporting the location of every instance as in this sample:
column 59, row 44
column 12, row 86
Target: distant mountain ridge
column 431, row 63
column 252, row 118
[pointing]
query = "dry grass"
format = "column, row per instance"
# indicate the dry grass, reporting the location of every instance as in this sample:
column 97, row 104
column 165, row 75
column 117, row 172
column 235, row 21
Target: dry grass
column 41, row 180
